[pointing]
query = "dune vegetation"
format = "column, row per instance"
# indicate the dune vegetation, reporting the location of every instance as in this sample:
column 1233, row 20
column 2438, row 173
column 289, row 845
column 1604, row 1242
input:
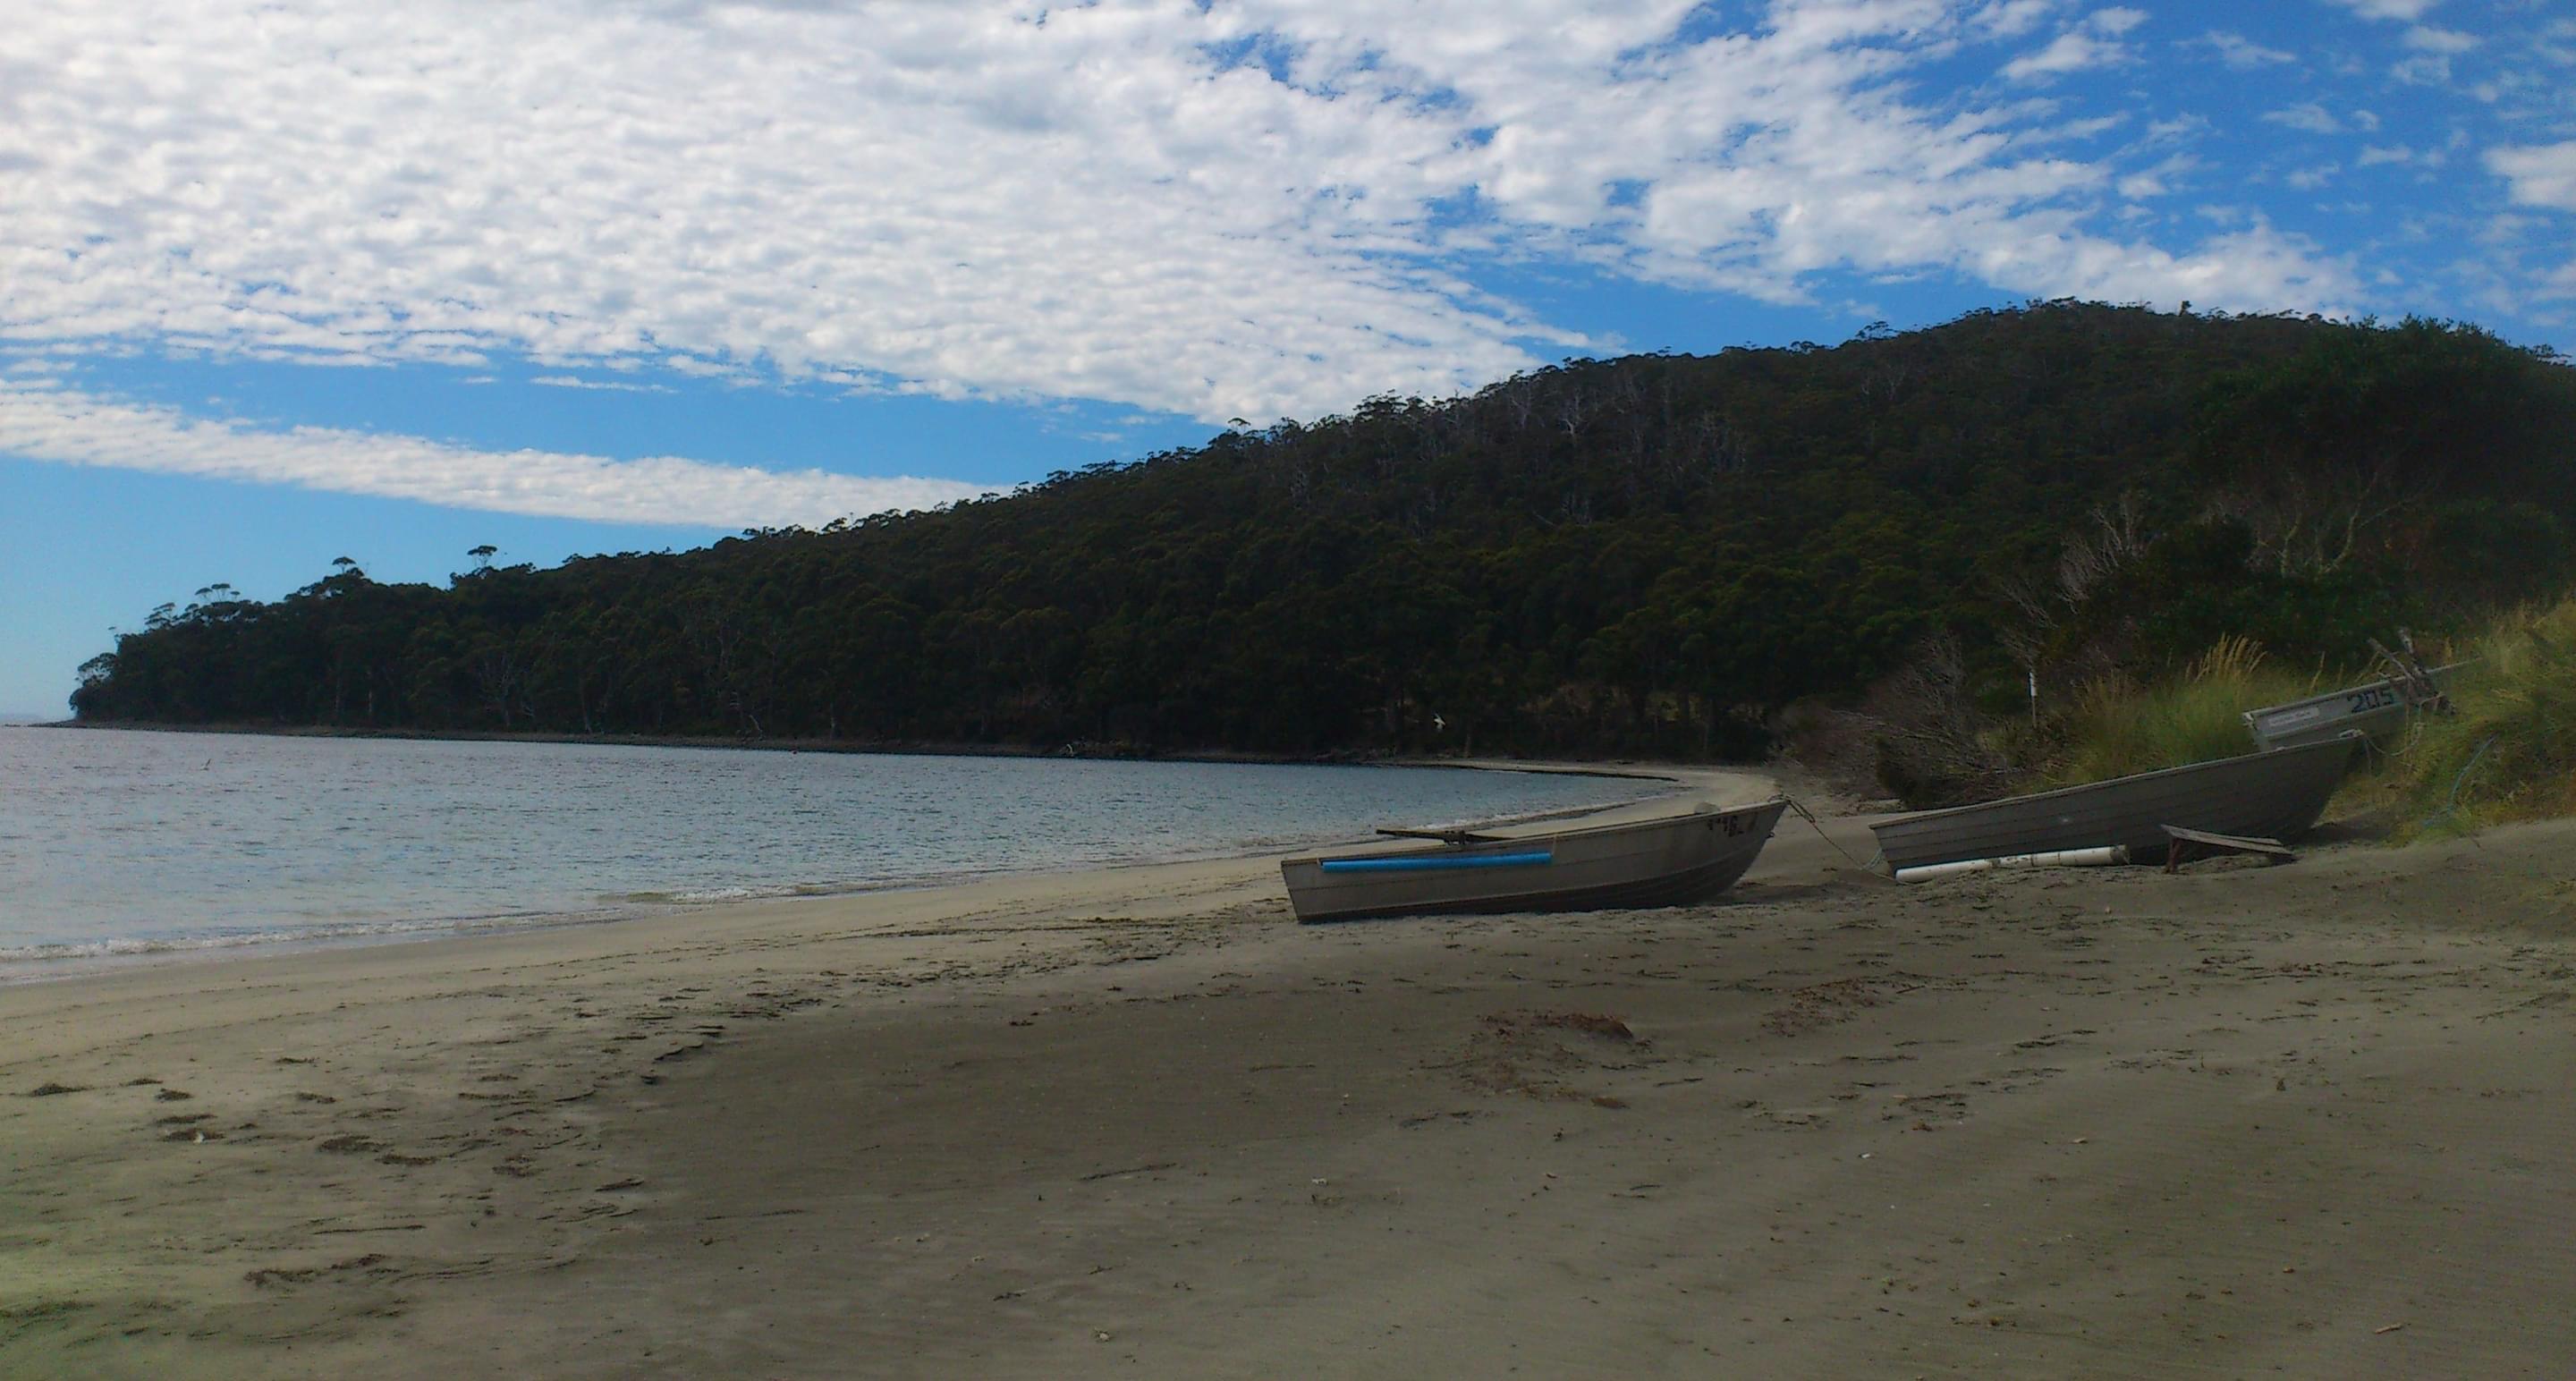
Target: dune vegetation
column 2507, row 749
column 2118, row 727
column 2501, row 749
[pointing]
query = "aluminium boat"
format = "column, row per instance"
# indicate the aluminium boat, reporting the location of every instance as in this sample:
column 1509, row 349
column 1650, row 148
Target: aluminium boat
column 2376, row 709
column 2276, row 795
column 1670, row 860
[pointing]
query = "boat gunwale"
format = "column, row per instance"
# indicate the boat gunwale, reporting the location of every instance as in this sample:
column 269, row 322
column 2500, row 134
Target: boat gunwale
column 2440, row 676
column 2342, row 740
column 1435, row 848
column 1689, row 884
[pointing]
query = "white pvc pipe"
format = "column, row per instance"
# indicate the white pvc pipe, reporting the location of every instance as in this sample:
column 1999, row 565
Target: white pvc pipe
column 2061, row 858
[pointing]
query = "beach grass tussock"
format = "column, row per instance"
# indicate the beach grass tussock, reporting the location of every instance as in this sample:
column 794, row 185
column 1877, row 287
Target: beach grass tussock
column 2117, row 727
column 2508, row 750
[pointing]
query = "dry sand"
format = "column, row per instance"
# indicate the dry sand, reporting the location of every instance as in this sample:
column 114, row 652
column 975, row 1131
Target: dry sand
column 2312, row 1121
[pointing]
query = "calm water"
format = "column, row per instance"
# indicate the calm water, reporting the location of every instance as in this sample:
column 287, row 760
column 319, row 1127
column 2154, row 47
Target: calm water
column 124, row 843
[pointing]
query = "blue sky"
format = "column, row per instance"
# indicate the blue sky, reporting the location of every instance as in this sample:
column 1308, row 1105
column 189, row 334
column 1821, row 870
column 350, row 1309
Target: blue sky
column 287, row 280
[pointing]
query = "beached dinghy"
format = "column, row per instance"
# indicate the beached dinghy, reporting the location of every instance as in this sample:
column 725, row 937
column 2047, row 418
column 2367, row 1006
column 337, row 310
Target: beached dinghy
column 2276, row 795
column 1666, row 861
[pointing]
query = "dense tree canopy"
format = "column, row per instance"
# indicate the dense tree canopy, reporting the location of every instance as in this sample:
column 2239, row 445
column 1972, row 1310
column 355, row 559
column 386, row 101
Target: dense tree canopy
column 1648, row 554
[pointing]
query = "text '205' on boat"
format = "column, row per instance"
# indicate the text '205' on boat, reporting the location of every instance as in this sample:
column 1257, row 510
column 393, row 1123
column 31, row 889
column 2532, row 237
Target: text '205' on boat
column 2276, row 796
column 1670, row 860
column 2376, row 709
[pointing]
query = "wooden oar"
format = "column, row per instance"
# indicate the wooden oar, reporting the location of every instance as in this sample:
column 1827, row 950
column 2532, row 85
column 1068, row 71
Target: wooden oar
column 1444, row 836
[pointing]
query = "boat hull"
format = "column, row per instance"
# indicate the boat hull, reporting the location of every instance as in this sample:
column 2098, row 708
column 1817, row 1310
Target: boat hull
column 2275, row 795
column 1667, row 861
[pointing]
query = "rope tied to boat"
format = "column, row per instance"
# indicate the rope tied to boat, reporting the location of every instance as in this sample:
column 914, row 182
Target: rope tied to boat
column 1819, row 827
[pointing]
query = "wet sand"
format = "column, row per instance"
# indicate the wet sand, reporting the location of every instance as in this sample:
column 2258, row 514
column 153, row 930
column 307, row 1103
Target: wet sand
column 2312, row 1120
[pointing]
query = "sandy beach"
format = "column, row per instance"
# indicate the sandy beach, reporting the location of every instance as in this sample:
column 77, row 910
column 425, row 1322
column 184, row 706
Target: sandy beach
column 2311, row 1120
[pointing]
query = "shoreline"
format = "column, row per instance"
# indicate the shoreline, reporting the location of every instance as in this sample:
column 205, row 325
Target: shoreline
column 2033, row 1124
column 909, row 748
column 61, row 962
column 887, row 748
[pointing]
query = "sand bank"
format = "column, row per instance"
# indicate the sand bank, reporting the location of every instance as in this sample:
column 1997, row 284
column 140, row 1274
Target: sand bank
column 2313, row 1118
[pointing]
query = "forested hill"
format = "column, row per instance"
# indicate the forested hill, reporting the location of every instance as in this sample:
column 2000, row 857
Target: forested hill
column 1646, row 555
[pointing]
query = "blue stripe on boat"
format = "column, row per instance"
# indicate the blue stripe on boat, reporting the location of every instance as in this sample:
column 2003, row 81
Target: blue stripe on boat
column 1424, row 865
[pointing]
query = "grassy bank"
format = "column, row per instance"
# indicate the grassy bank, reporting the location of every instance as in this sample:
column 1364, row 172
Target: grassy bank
column 2117, row 727
column 1934, row 744
column 2508, row 750
column 2505, row 750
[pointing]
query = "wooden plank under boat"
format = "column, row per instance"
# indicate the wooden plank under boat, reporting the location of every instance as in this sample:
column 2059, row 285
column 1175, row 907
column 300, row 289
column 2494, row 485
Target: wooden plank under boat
column 2375, row 709
column 2275, row 795
column 1670, row 860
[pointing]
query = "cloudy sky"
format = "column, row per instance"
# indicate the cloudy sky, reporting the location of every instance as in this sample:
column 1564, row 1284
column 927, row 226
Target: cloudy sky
column 284, row 280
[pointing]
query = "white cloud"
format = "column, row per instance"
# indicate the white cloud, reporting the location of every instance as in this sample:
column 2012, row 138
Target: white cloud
column 2068, row 52
column 2446, row 42
column 2307, row 115
column 609, row 385
column 2159, row 180
column 2242, row 53
column 2374, row 155
column 2011, row 18
column 982, row 199
column 2556, row 44
column 2092, row 43
column 2433, row 50
column 2542, row 175
column 2405, row 11
column 41, row 420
